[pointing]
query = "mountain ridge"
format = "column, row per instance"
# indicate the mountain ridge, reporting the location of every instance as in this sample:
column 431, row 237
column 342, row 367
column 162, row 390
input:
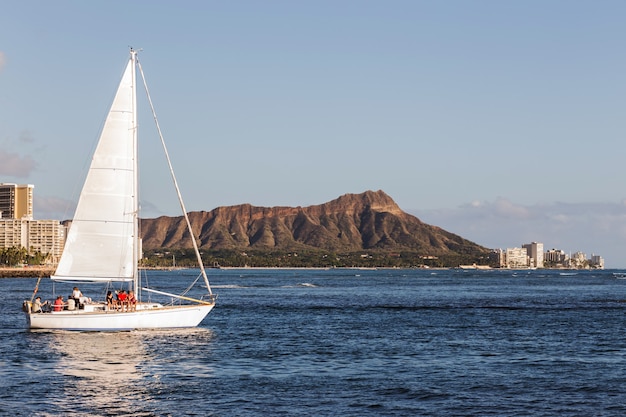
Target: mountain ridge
column 367, row 221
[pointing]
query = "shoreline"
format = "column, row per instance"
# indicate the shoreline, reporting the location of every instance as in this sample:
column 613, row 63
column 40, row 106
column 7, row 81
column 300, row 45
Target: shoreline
column 46, row 272
column 26, row 272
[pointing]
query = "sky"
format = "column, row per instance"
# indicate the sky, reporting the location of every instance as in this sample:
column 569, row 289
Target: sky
column 500, row 121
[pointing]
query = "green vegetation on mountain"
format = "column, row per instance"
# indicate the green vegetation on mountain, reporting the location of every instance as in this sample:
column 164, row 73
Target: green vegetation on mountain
column 305, row 259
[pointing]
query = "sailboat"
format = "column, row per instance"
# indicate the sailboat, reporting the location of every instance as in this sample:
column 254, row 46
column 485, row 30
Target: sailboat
column 103, row 244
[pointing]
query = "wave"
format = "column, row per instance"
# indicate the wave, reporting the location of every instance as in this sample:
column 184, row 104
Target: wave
column 301, row 284
column 229, row 286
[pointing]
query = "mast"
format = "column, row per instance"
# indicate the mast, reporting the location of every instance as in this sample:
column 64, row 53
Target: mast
column 133, row 61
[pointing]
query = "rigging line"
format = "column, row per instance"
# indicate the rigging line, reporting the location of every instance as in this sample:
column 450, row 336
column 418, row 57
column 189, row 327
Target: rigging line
column 190, row 286
column 169, row 163
column 181, row 297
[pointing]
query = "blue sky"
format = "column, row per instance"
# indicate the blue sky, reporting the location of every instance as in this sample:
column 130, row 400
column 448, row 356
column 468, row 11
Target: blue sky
column 500, row 121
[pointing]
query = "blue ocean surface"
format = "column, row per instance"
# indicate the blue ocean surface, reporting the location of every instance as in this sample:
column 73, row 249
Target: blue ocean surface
column 342, row 342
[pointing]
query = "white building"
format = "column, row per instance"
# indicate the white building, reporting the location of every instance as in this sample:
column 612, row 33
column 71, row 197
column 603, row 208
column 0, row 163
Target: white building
column 517, row 258
column 578, row 260
column 597, row 261
column 44, row 236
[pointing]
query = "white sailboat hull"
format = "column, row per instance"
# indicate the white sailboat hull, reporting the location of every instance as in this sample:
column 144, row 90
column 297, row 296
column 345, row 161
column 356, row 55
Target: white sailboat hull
column 153, row 318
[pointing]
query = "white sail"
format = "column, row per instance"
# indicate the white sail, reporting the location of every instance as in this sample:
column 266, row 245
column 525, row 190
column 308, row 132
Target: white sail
column 101, row 244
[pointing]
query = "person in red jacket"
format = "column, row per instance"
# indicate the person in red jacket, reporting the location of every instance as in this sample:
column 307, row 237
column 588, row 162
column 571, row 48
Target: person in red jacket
column 121, row 299
column 58, row 304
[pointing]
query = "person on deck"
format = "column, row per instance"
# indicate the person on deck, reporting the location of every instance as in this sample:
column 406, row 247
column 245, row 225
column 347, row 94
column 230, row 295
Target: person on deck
column 38, row 305
column 78, row 296
column 132, row 301
column 111, row 302
column 58, row 303
column 121, row 299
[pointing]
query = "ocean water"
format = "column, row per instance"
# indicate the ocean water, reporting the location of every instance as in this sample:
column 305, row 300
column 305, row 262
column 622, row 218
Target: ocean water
column 338, row 343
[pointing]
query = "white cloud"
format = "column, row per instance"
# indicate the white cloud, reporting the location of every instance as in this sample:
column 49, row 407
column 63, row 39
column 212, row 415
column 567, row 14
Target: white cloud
column 507, row 209
column 15, row 165
column 598, row 228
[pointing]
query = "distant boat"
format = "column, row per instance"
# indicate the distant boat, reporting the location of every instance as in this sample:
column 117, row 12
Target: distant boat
column 474, row 266
column 619, row 275
column 174, row 267
column 103, row 244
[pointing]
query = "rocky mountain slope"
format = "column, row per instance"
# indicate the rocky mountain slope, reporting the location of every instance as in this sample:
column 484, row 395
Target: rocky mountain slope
column 352, row 222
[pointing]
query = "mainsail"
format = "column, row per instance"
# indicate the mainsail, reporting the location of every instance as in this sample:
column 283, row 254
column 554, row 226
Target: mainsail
column 101, row 242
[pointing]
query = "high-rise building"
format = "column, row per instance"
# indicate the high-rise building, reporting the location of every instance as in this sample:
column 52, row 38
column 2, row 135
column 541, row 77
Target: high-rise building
column 16, row 201
column 516, row 258
column 556, row 257
column 497, row 257
column 597, row 261
column 577, row 260
column 535, row 252
column 18, row 229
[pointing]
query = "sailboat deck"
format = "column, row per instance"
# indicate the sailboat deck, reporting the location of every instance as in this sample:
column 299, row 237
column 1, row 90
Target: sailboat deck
column 100, row 308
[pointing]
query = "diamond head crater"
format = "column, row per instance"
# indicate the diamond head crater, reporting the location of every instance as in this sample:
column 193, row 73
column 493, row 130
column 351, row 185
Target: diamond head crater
column 355, row 230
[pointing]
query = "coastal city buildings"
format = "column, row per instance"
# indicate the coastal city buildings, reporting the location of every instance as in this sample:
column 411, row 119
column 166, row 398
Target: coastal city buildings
column 19, row 229
column 531, row 255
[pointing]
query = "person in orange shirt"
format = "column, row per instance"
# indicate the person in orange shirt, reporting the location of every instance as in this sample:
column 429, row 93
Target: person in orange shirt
column 58, row 304
column 121, row 299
